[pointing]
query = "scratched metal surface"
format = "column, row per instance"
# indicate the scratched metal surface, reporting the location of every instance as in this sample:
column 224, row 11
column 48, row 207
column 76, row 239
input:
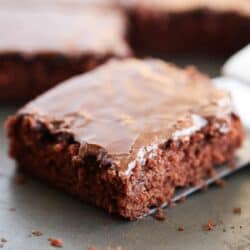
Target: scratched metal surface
column 39, row 207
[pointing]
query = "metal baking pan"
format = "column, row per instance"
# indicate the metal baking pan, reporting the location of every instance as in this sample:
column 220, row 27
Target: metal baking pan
column 56, row 214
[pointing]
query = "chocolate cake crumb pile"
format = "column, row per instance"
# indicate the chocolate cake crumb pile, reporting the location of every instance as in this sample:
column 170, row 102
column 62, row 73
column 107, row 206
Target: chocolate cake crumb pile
column 36, row 233
column 159, row 214
column 12, row 209
column 209, row 226
column 237, row 210
column 55, row 242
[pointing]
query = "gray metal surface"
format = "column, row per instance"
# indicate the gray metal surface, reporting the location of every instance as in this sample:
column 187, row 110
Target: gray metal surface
column 39, row 207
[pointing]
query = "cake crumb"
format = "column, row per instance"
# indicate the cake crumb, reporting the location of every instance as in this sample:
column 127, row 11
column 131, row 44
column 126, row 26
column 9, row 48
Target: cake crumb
column 1, row 245
column 55, row 242
column 220, row 183
column 181, row 228
column 37, row 233
column 224, row 230
column 237, row 210
column 12, row 209
column 159, row 214
column 209, row 226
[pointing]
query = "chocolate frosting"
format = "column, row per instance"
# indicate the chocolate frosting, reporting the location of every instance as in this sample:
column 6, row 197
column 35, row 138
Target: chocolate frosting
column 127, row 108
column 85, row 30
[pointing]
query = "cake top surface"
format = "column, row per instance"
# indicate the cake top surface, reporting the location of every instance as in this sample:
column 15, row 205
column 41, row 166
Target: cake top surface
column 242, row 6
column 125, row 105
column 88, row 29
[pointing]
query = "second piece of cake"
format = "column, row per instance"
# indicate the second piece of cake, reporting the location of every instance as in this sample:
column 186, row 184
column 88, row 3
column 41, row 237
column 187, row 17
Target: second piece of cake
column 184, row 26
column 43, row 46
column 125, row 136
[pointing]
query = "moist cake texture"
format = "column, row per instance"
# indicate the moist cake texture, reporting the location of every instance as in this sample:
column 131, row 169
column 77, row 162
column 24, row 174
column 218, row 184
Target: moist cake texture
column 127, row 134
column 41, row 47
column 183, row 26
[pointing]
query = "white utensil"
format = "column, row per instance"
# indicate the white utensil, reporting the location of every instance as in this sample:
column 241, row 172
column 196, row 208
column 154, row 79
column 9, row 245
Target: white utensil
column 236, row 79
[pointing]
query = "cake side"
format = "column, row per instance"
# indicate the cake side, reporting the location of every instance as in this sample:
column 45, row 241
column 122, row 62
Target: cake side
column 54, row 159
column 127, row 134
column 217, row 27
column 23, row 78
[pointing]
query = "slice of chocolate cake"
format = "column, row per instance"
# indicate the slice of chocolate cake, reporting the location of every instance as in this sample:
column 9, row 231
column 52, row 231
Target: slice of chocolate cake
column 184, row 26
column 127, row 135
column 40, row 47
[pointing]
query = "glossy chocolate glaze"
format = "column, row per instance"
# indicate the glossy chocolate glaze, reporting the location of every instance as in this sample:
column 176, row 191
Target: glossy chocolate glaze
column 128, row 108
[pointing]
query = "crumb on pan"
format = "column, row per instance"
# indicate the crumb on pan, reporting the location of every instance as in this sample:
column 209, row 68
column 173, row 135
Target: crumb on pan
column 55, row 242
column 237, row 210
column 159, row 214
column 209, row 226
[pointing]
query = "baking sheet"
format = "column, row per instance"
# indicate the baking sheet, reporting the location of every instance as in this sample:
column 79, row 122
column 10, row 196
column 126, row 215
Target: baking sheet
column 56, row 214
